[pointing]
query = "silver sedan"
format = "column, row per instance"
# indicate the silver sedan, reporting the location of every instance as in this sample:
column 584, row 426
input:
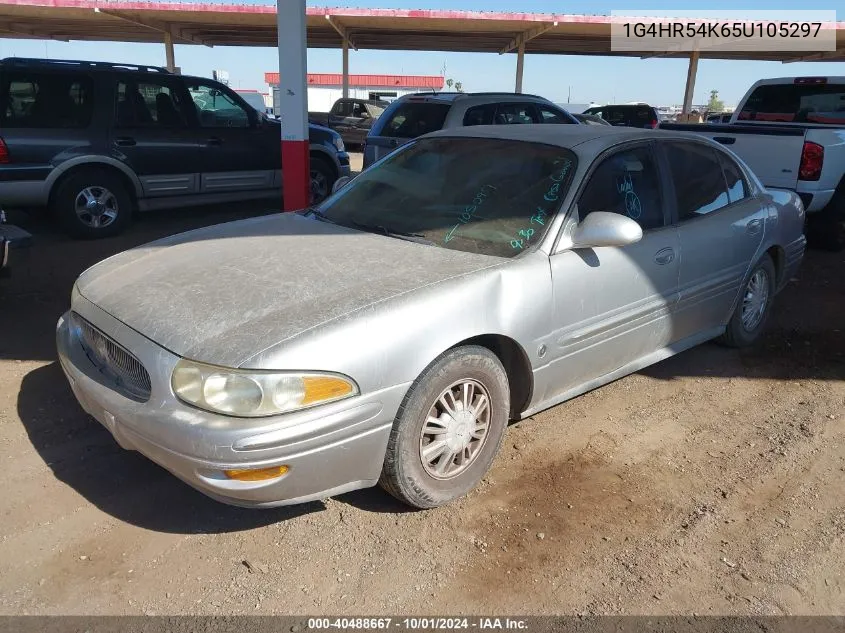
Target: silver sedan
column 470, row 278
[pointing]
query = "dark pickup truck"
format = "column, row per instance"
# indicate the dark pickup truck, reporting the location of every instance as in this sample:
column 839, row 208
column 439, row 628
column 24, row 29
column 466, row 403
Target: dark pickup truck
column 351, row 118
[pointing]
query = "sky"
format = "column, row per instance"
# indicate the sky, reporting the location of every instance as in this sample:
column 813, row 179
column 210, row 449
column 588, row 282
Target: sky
column 579, row 79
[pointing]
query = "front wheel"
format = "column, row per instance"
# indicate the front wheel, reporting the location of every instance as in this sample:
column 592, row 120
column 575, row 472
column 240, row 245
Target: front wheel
column 322, row 180
column 755, row 303
column 448, row 429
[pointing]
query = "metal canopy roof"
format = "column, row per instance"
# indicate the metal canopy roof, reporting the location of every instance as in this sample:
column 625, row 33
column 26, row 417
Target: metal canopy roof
column 386, row 29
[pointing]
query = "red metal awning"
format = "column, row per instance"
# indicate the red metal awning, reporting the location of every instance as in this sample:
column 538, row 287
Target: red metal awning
column 385, row 29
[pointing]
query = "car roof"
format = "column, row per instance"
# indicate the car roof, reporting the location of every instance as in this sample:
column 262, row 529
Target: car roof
column 456, row 96
column 566, row 135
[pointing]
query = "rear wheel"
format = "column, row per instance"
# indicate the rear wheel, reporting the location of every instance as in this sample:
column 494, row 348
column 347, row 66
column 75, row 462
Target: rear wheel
column 92, row 203
column 752, row 311
column 448, row 429
column 826, row 228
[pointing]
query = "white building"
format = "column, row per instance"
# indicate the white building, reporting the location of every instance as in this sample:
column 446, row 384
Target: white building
column 326, row 88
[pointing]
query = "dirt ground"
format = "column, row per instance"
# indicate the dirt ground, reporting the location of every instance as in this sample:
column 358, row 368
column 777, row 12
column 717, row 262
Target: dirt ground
column 713, row 482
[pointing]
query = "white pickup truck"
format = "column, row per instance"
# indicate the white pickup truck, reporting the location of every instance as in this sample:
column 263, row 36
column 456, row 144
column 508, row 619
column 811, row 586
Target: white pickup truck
column 791, row 133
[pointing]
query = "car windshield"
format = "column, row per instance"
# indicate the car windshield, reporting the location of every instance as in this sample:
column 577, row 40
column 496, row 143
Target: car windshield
column 491, row 196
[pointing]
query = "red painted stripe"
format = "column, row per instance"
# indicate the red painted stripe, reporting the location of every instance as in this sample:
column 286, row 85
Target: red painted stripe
column 425, row 14
column 296, row 175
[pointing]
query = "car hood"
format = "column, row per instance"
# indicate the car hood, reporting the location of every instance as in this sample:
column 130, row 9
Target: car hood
column 224, row 293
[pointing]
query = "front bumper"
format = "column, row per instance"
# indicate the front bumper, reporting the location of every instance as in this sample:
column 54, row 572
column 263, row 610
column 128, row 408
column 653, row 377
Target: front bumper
column 14, row 246
column 343, row 168
column 329, row 450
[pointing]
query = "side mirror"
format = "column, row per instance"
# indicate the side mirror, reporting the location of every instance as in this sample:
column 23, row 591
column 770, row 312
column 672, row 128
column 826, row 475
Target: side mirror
column 340, row 183
column 602, row 228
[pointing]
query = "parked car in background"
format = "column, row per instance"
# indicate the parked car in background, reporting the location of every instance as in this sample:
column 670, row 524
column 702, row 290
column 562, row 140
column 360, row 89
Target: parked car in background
column 590, row 119
column 718, row 117
column 256, row 100
column 639, row 115
column 95, row 141
column 791, row 133
column 351, row 118
column 14, row 242
column 580, row 253
column 411, row 116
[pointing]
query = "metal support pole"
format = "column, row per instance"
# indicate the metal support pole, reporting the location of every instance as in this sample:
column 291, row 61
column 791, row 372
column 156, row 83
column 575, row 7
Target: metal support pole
column 520, row 63
column 690, row 87
column 345, row 68
column 169, row 53
column 293, row 103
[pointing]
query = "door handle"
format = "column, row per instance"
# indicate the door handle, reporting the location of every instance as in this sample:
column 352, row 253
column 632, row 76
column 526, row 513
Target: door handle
column 725, row 140
column 214, row 140
column 754, row 226
column 664, row 256
column 124, row 141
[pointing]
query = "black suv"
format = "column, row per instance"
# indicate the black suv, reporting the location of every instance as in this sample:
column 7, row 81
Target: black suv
column 94, row 141
column 639, row 115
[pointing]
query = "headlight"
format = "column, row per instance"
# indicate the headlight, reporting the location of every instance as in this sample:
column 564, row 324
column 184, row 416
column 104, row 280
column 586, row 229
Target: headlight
column 338, row 143
column 255, row 393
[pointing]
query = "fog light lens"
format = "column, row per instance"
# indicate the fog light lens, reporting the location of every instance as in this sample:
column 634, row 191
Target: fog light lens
column 256, row 474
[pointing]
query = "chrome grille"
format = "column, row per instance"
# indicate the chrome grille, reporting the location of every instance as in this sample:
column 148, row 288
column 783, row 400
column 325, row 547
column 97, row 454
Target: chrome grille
column 110, row 358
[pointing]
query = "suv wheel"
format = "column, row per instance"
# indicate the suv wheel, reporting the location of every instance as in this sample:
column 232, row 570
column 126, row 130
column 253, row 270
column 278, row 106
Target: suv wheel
column 322, row 179
column 92, row 203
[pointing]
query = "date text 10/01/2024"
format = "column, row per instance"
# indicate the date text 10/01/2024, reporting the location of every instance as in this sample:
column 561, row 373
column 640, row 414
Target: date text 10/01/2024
column 419, row 623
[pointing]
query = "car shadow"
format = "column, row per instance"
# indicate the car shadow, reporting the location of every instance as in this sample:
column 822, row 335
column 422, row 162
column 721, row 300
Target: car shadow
column 125, row 484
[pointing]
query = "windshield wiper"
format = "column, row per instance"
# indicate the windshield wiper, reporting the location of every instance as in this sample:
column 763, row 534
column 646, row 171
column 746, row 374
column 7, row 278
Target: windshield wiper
column 316, row 213
column 383, row 230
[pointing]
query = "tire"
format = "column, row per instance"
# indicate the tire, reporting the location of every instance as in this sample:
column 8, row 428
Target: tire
column 109, row 208
column 745, row 332
column 826, row 228
column 414, row 480
column 323, row 178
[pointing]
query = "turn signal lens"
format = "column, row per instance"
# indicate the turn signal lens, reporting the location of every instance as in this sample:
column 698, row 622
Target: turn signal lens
column 320, row 388
column 256, row 474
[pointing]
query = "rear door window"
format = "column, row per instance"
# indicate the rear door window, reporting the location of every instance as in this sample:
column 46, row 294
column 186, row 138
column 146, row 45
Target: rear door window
column 480, row 115
column 36, row 100
column 699, row 182
column 412, row 119
column 149, row 103
column 796, row 103
column 737, row 187
column 515, row 114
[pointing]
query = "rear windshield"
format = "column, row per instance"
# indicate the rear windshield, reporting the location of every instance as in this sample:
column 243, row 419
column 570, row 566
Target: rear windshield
column 624, row 115
column 413, row 119
column 491, row 196
column 796, row 103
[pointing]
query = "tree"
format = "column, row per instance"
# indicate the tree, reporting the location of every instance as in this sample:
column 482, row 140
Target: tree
column 715, row 104
column 459, row 86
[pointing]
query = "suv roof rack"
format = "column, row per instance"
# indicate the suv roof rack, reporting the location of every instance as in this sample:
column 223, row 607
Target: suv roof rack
column 78, row 63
